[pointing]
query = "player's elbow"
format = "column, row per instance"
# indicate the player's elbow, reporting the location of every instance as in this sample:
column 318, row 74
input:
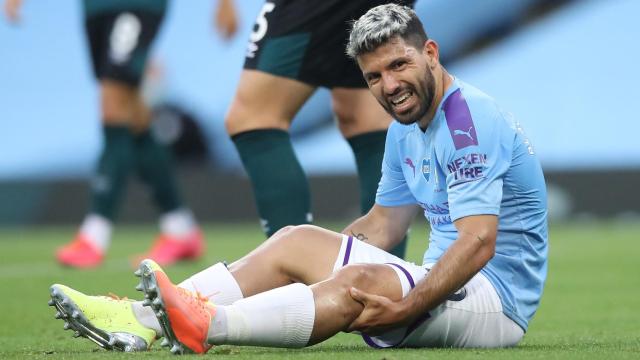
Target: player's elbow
column 487, row 249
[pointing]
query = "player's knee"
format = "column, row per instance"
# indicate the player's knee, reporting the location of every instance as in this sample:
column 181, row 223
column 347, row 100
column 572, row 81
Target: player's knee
column 233, row 119
column 287, row 237
column 244, row 116
column 351, row 122
column 355, row 275
column 294, row 233
column 295, row 239
column 344, row 114
column 112, row 108
column 285, row 231
column 118, row 103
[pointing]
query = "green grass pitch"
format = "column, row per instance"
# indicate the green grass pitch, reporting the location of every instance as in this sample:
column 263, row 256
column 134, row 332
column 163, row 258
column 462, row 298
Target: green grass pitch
column 590, row 309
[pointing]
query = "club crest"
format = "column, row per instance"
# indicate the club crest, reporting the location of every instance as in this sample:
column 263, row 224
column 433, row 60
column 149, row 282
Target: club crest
column 426, row 168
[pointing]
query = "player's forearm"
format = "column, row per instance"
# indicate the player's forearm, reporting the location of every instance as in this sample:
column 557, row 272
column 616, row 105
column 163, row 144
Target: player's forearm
column 383, row 226
column 464, row 258
column 370, row 231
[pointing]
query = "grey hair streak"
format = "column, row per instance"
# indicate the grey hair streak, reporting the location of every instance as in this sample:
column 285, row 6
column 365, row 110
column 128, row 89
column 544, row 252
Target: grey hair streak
column 377, row 26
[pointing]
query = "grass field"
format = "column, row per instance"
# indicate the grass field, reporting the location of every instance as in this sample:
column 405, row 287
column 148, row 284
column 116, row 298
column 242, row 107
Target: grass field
column 590, row 309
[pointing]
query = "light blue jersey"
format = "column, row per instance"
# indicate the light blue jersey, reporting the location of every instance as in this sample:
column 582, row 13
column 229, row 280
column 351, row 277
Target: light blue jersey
column 474, row 159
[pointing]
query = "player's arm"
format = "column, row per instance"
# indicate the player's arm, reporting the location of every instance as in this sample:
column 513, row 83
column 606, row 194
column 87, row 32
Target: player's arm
column 474, row 247
column 383, row 226
column 225, row 18
column 12, row 10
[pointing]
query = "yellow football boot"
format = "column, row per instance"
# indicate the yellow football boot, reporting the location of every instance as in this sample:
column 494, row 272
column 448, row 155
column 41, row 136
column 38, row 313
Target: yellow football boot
column 106, row 320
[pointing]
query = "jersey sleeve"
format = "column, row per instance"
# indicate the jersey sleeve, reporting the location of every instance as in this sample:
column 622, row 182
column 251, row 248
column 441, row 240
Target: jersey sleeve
column 393, row 189
column 477, row 154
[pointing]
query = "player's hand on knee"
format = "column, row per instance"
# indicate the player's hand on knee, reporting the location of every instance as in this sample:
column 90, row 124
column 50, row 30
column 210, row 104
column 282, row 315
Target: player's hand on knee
column 380, row 314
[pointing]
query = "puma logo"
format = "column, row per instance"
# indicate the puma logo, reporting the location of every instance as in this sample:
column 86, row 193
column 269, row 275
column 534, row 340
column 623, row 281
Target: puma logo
column 462, row 132
column 410, row 163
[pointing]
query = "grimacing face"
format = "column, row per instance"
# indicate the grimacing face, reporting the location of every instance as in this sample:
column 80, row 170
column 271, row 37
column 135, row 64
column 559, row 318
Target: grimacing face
column 399, row 77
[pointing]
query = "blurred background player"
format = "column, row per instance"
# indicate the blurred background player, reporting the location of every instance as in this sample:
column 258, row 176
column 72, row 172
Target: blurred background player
column 295, row 47
column 120, row 34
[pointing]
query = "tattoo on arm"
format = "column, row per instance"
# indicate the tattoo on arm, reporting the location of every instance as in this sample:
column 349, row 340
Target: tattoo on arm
column 360, row 236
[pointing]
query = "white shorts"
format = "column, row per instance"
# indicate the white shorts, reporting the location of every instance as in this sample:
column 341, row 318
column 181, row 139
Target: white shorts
column 471, row 317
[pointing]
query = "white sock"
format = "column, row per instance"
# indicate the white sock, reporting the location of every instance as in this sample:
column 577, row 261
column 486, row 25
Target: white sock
column 178, row 223
column 282, row 317
column 147, row 317
column 97, row 229
column 216, row 283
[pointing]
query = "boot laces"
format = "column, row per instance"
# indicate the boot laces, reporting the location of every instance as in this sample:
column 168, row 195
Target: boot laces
column 196, row 299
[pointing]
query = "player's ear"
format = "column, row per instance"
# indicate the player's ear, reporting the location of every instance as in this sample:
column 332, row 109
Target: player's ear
column 432, row 52
column 425, row 47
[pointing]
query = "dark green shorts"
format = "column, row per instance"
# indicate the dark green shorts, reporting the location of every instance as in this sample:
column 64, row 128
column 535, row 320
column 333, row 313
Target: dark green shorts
column 120, row 42
column 305, row 40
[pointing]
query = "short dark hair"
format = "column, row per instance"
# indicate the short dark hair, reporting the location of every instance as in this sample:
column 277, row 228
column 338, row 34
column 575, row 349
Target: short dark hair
column 383, row 23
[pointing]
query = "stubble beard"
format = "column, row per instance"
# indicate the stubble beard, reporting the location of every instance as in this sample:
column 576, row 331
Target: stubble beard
column 425, row 100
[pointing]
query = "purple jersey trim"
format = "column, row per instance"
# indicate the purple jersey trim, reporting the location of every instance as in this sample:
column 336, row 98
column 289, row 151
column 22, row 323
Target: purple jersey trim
column 367, row 339
column 411, row 328
column 406, row 273
column 459, row 121
column 464, row 182
column 347, row 252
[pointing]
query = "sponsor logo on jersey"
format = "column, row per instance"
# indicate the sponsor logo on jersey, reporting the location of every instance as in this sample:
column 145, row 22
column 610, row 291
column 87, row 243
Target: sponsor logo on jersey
column 469, row 167
column 437, row 214
column 410, row 163
column 459, row 121
column 426, row 168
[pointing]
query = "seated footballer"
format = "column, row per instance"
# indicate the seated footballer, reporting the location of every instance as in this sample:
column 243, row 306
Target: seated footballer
column 451, row 153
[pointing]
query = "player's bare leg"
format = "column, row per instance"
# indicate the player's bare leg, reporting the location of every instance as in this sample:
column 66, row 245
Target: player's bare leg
column 265, row 285
column 294, row 254
column 284, row 312
column 141, row 114
column 335, row 309
column 257, row 105
column 258, row 121
column 117, row 103
column 358, row 112
column 304, row 254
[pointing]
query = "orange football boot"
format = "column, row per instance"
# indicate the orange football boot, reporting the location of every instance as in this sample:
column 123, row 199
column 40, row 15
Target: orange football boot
column 184, row 316
column 80, row 253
